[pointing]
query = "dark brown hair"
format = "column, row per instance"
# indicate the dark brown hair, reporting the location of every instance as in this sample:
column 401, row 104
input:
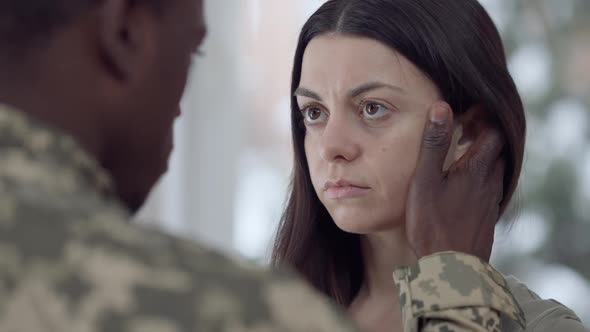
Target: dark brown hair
column 27, row 24
column 454, row 43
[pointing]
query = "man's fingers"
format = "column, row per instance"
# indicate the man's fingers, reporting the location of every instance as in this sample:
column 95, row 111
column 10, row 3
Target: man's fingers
column 435, row 144
column 497, row 180
column 483, row 154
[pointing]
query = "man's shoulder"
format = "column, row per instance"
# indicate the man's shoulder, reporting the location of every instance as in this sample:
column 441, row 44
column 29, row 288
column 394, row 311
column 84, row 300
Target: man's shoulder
column 92, row 269
column 212, row 291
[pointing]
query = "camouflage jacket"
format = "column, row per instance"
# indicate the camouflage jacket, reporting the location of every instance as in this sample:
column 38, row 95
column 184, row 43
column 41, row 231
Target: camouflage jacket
column 71, row 261
column 458, row 292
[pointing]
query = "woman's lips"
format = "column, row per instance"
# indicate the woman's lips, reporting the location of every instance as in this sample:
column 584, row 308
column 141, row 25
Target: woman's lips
column 343, row 189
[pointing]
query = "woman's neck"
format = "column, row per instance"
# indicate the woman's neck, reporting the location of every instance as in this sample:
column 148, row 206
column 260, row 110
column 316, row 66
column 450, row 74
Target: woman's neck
column 376, row 306
column 382, row 253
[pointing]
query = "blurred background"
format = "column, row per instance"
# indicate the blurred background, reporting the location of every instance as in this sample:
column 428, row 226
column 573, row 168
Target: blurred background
column 230, row 169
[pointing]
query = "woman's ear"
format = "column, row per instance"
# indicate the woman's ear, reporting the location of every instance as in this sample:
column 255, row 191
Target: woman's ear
column 466, row 129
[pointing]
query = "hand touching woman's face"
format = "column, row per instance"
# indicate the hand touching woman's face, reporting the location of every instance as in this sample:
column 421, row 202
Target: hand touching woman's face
column 364, row 107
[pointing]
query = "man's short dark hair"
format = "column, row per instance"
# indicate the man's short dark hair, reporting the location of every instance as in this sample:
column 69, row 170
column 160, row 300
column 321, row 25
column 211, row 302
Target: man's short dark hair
column 25, row 24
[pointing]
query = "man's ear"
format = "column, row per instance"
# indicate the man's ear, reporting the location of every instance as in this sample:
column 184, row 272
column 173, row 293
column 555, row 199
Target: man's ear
column 127, row 35
column 466, row 129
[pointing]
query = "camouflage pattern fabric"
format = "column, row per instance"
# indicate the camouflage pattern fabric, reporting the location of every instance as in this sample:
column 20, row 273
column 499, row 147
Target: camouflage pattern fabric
column 454, row 292
column 70, row 261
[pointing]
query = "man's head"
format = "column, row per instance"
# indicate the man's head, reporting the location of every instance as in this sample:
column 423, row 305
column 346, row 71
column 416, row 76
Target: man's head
column 109, row 72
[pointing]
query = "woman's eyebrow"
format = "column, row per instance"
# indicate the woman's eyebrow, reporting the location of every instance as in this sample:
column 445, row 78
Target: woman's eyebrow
column 365, row 87
column 301, row 91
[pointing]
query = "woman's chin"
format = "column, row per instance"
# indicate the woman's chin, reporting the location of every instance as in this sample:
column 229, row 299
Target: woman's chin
column 364, row 225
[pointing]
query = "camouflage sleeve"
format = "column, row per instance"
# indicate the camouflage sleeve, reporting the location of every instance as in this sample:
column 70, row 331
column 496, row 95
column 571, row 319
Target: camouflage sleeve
column 454, row 292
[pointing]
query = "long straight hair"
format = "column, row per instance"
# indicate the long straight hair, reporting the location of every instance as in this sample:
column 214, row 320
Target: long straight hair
column 456, row 44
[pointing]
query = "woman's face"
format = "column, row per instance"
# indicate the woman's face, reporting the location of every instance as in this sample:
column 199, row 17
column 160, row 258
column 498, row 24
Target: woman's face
column 365, row 107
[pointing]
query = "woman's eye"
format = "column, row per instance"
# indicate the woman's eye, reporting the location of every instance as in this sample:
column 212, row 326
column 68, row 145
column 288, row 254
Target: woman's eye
column 374, row 111
column 313, row 115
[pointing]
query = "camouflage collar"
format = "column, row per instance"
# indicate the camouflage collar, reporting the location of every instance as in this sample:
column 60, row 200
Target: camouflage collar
column 28, row 146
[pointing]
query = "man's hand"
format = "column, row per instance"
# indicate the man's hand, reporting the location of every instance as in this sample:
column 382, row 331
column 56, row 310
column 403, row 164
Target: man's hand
column 457, row 209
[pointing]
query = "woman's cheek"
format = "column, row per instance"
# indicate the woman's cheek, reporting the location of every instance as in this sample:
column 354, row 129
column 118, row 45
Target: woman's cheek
column 399, row 160
column 312, row 162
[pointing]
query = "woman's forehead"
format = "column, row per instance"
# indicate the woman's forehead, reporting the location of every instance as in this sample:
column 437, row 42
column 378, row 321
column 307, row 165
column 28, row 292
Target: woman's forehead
column 337, row 62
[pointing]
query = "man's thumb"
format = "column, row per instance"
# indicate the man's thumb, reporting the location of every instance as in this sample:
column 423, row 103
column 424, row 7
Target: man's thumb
column 435, row 143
